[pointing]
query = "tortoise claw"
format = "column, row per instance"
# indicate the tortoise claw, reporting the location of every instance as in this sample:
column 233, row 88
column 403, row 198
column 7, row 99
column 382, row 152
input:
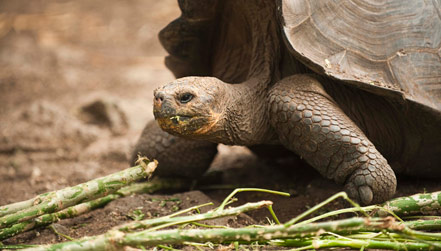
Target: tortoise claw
column 371, row 186
column 363, row 194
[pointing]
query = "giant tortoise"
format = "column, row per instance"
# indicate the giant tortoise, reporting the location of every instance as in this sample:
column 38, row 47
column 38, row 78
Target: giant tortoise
column 351, row 86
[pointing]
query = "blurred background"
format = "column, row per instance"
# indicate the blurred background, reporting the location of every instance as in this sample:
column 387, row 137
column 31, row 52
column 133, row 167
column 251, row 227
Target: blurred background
column 54, row 49
column 76, row 82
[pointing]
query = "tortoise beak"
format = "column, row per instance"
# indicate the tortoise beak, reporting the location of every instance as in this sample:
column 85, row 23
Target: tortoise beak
column 162, row 106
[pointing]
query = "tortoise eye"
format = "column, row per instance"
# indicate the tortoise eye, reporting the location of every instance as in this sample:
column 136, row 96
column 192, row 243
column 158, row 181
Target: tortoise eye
column 186, row 97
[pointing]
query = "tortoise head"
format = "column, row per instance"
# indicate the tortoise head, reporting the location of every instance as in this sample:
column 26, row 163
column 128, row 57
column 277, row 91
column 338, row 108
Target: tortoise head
column 191, row 107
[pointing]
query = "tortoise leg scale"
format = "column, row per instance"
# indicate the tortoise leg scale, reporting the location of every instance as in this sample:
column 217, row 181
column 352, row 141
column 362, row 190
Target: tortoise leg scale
column 177, row 157
column 309, row 123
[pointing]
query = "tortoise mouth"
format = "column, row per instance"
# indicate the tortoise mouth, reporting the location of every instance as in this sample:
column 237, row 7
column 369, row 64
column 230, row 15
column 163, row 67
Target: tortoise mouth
column 175, row 120
column 181, row 124
column 180, row 118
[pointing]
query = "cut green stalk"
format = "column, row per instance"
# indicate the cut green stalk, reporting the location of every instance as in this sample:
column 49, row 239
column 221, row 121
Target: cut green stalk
column 15, row 207
column 158, row 223
column 207, row 226
column 357, row 244
column 58, row 200
column 60, row 234
column 46, row 219
column 190, row 209
column 271, row 232
column 427, row 203
column 376, row 236
column 364, row 210
column 434, row 224
column 421, row 204
column 155, row 184
column 270, row 208
column 361, row 233
column 238, row 190
column 318, row 206
column 115, row 238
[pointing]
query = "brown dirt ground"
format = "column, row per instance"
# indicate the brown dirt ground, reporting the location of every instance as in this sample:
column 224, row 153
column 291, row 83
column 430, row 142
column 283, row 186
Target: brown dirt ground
column 76, row 81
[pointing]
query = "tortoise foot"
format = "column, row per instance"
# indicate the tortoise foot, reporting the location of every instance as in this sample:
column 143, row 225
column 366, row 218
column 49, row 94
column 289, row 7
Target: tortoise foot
column 373, row 182
column 310, row 123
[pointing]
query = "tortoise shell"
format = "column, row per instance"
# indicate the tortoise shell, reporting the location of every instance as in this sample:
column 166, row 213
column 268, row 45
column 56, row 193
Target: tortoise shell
column 389, row 45
column 390, row 48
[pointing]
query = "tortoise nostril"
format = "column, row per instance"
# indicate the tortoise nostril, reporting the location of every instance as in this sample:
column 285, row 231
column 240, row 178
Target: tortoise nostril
column 159, row 96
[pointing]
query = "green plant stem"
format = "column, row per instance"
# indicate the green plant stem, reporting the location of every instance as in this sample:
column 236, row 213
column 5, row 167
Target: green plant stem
column 371, row 232
column 316, row 207
column 385, row 233
column 58, row 200
column 155, row 184
column 357, row 244
column 60, row 234
column 46, row 219
column 434, row 224
column 154, row 224
column 421, row 204
column 427, row 203
column 238, row 190
column 273, row 214
column 337, row 212
column 15, row 207
column 207, row 226
column 157, row 221
column 116, row 239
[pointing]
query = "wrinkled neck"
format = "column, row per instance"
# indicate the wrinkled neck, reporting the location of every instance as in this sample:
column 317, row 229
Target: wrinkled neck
column 246, row 121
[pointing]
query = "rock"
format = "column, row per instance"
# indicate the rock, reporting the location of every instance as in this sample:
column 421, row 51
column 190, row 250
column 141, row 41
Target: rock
column 104, row 112
column 45, row 127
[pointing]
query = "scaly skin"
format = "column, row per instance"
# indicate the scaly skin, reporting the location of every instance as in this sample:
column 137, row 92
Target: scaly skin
column 295, row 112
column 176, row 156
column 311, row 124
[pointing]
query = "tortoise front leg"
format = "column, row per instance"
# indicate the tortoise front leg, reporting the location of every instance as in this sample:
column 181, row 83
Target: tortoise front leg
column 312, row 125
column 177, row 157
